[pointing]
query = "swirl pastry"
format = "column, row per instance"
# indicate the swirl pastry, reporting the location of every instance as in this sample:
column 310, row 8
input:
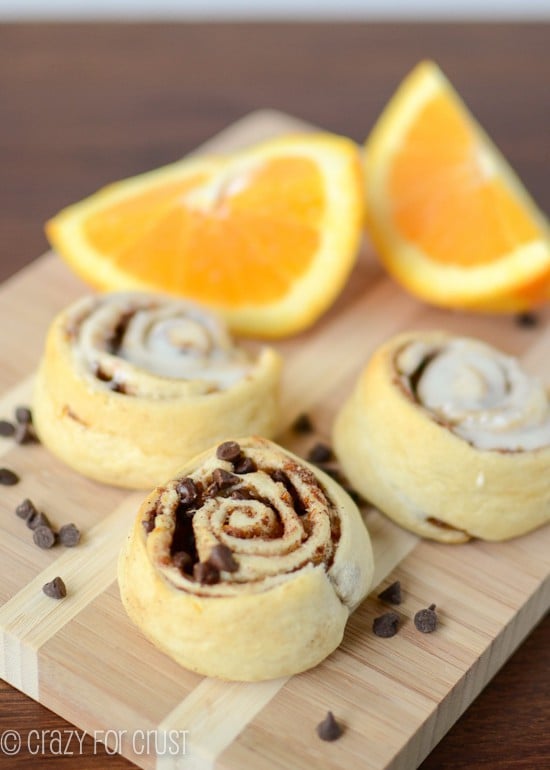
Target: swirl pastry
column 131, row 385
column 450, row 438
column 247, row 564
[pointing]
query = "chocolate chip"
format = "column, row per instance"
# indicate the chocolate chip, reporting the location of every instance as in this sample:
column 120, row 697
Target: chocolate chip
column 386, row 625
column 320, row 453
column 222, row 558
column 340, row 478
column 425, row 621
column 391, row 594
column 8, row 478
column 187, row 491
column 38, row 519
column 55, row 588
column 206, row 573
column 302, row 424
column 244, row 465
column 26, row 509
column 356, row 496
column 223, row 479
column 329, row 729
column 69, row 535
column 229, row 450
column 23, row 414
column 7, row 428
column 336, row 474
column 25, row 433
column 183, row 561
column 43, row 537
column 527, row 320
column 102, row 375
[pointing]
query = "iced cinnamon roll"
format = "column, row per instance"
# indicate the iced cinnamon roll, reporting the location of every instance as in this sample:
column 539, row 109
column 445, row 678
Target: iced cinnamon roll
column 247, row 564
column 131, row 385
column 450, row 438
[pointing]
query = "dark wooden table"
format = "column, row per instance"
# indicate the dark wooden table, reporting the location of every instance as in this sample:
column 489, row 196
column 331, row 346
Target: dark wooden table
column 82, row 105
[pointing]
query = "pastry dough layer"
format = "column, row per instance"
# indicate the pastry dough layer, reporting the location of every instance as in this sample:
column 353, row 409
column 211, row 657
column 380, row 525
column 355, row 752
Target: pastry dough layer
column 304, row 562
column 131, row 385
column 412, row 439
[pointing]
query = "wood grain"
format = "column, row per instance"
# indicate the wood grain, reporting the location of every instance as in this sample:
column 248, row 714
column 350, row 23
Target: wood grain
column 106, row 110
column 396, row 697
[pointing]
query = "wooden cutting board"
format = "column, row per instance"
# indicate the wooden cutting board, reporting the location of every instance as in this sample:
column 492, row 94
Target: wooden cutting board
column 397, row 697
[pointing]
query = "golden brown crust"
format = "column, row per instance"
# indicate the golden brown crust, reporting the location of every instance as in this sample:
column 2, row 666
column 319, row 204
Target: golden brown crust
column 418, row 471
column 300, row 568
column 112, row 419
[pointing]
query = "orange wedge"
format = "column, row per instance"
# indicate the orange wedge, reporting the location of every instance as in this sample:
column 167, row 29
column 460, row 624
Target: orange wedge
column 266, row 236
column 446, row 213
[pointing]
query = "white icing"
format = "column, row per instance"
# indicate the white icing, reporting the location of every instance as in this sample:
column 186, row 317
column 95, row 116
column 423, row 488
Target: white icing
column 483, row 395
column 165, row 342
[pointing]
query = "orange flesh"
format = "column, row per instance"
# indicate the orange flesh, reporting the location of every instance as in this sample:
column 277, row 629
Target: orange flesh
column 445, row 201
column 111, row 230
column 263, row 224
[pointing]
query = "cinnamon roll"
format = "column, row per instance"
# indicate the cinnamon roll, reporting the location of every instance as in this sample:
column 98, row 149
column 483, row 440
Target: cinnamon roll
column 450, row 438
column 131, row 385
column 247, row 564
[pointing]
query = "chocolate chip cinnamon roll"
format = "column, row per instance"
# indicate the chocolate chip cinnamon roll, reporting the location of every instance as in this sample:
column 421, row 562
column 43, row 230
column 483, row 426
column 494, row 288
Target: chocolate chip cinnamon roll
column 450, row 438
column 131, row 385
column 247, row 564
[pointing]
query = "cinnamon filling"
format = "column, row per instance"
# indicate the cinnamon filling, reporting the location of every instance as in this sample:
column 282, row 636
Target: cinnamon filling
column 238, row 512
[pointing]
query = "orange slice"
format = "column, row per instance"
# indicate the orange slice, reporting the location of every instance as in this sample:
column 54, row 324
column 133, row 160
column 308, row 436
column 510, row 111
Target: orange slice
column 448, row 216
column 266, row 236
